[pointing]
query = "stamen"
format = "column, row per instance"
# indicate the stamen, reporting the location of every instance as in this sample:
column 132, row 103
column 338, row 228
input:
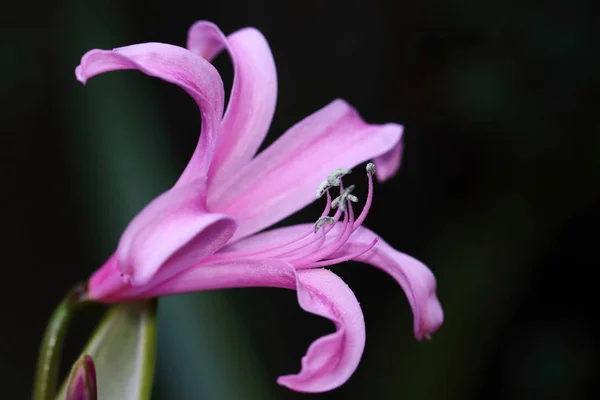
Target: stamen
column 323, row 188
column 340, row 201
column 309, row 250
column 335, row 245
column 278, row 249
column 371, row 169
column 369, row 201
column 334, row 178
column 348, row 257
column 322, row 221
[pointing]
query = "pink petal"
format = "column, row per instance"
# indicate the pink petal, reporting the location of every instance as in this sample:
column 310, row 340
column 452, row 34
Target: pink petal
column 106, row 282
column 253, row 95
column 284, row 178
column 387, row 164
column 171, row 233
column 331, row 359
column 175, row 65
column 414, row 277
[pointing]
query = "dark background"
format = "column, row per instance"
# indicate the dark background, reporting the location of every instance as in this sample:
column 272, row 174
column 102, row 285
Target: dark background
column 498, row 192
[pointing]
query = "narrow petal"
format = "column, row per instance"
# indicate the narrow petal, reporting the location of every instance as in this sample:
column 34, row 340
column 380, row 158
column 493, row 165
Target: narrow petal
column 331, row 359
column 175, row 65
column 253, row 95
column 283, row 179
column 171, row 233
column 417, row 281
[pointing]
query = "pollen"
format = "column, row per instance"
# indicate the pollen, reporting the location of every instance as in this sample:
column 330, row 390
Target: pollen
column 322, row 221
column 371, row 169
column 334, row 178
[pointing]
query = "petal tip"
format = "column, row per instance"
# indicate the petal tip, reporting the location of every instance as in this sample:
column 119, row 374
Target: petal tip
column 433, row 321
column 79, row 74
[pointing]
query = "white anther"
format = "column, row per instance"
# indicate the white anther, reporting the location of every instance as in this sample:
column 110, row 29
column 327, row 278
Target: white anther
column 371, row 169
column 322, row 221
column 340, row 201
column 334, row 178
column 335, row 203
column 324, row 187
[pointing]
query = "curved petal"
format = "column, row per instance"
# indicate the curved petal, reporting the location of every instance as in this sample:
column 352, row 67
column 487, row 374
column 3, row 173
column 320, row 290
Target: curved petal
column 171, row 233
column 388, row 163
column 175, row 65
column 331, row 359
column 253, row 95
column 417, row 281
column 284, row 178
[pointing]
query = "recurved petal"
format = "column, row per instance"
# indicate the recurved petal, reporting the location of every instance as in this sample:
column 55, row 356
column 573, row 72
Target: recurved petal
column 175, row 65
column 171, row 233
column 331, row 359
column 253, row 95
column 417, row 281
column 284, row 178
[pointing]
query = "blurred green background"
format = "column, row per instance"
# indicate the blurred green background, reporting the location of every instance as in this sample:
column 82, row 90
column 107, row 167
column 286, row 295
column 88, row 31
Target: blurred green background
column 498, row 192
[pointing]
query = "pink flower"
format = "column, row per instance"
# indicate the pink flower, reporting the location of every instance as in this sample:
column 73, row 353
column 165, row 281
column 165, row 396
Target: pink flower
column 202, row 233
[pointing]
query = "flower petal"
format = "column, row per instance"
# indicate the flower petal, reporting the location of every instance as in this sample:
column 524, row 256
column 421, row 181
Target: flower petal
column 331, row 359
column 175, row 65
column 171, row 233
column 106, row 282
column 414, row 277
column 283, row 178
column 253, row 95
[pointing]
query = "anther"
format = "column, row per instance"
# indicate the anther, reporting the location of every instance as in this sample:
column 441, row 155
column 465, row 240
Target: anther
column 340, row 201
column 334, row 178
column 322, row 221
column 371, row 169
column 324, row 187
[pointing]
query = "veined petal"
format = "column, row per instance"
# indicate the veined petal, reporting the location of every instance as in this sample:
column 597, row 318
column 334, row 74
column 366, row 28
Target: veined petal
column 253, row 95
column 175, row 65
column 331, row 359
column 171, row 233
column 414, row 277
column 283, row 178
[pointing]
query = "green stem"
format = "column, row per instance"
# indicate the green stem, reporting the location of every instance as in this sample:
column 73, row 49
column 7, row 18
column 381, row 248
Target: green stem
column 51, row 348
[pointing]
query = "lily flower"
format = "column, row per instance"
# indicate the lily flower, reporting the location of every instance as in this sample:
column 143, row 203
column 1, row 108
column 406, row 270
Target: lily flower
column 207, row 232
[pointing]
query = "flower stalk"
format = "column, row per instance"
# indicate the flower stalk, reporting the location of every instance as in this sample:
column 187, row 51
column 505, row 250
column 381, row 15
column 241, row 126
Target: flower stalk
column 51, row 347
